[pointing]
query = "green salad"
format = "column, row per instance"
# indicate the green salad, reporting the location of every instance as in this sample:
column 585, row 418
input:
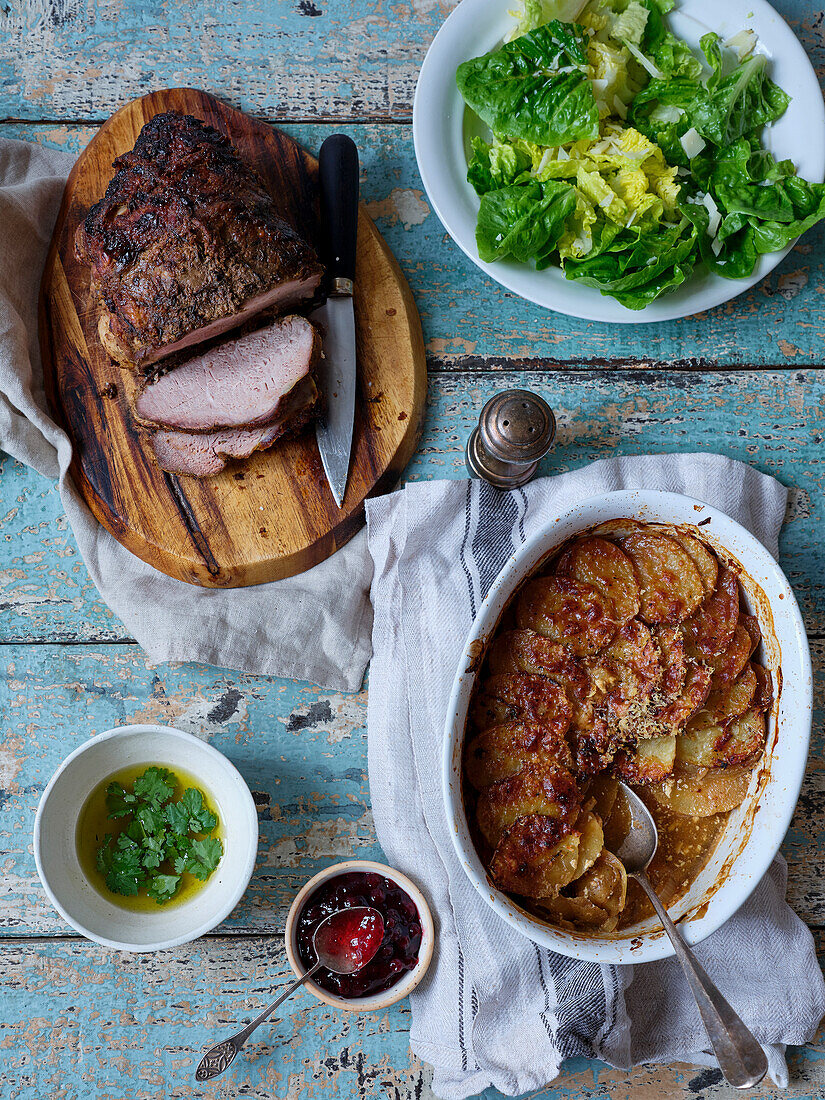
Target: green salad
column 619, row 155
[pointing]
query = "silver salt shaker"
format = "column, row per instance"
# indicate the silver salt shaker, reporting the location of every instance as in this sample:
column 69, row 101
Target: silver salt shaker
column 515, row 430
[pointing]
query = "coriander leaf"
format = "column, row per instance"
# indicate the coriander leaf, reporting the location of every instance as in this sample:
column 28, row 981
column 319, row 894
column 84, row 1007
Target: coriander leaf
column 535, row 87
column 150, row 820
column 156, row 786
column 163, row 887
column 524, row 221
column 204, row 857
column 122, row 865
column 154, row 852
column 119, row 801
column 177, row 818
column 201, row 818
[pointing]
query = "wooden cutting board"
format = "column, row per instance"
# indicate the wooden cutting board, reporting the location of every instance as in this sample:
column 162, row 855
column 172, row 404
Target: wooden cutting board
column 273, row 515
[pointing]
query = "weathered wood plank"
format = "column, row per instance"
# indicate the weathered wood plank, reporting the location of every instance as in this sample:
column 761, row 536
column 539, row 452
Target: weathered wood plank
column 772, row 419
column 344, row 61
column 80, row 1021
column 780, row 322
column 302, row 750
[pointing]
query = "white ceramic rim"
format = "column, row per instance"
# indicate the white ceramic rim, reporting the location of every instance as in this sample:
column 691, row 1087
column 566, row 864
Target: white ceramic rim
column 122, row 732
column 796, row 681
column 411, row 979
column 476, row 26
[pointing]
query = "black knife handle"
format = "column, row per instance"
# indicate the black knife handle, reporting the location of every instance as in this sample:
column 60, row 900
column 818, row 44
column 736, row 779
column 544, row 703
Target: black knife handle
column 338, row 183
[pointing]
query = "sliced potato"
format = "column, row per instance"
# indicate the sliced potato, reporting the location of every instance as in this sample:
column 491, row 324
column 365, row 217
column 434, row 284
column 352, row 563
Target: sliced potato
column 729, row 702
column 602, row 564
column 693, row 694
column 628, row 670
column 575, row 914
column 699, row 745
column 527, row 651
column 605, row 886
column 649, row 762
column 521, row 698
column 535, row 790
column 566, row 610
column 700, row 793
column 728, row 666
column 710, row 630
column 532, row 861
column 763, row 696
column 745, row 738
column 502, row 751
column 671, row 586
column 591, row 842
column 703, row 557
column 674, row 661
column 712, row 746
column 751, row 624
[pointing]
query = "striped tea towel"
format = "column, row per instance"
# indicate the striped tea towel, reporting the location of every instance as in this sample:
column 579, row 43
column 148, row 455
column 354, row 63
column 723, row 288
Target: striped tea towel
column 494, row 1008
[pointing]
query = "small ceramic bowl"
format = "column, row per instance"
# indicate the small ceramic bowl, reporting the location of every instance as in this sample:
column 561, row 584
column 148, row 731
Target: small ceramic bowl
column 408, row 982
column 55, row 849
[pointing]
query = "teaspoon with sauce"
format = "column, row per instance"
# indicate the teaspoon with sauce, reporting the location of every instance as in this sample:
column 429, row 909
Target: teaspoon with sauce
column 741, row 1059
column 344, row 943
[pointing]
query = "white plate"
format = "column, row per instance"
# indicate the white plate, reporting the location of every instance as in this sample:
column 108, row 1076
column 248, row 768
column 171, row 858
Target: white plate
column 443, row 125
column 755, row 829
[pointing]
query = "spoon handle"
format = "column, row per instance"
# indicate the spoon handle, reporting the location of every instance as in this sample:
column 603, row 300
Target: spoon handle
column 741, row 1059
column 221, row 1056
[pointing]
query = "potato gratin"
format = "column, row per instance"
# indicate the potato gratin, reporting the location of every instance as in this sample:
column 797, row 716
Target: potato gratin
column 629, row 657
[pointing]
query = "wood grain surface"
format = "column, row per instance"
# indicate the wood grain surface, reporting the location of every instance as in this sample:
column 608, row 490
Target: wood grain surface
column 744, row 379
column 273, row 515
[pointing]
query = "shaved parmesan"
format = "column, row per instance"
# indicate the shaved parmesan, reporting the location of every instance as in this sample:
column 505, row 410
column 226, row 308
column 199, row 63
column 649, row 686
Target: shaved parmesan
column 692, row 142
column 621, row 107
column 743, row 43
column 546, row 157
column 645, row 62
column 562, row 155
column 716, row 246
column 715, row 218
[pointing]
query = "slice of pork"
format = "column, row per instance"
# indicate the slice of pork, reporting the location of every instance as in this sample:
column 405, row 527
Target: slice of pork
column 242, row 383
column 280, row 299
column 204, row 454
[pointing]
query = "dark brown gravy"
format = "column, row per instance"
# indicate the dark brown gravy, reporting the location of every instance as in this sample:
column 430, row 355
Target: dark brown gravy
column 685, row 846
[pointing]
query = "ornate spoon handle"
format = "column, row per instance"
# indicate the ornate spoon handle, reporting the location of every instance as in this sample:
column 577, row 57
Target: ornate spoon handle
column 221, row 1056
column 741, row 1059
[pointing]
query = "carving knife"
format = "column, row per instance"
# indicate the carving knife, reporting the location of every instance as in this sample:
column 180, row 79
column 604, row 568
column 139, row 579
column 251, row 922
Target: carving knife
column 338, row 185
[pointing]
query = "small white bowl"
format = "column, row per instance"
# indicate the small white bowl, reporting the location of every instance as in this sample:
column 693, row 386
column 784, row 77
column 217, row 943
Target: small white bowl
column 55, row 849
column 755, row 829
column 408, row 982
column 443, row 127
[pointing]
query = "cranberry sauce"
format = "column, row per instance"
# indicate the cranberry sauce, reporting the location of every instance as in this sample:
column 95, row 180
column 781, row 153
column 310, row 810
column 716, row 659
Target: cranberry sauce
column 398, row 952
column 347, row 941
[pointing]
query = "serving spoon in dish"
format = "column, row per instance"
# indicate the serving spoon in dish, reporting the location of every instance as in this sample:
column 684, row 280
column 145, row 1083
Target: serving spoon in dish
column 741, row 1059
column 344, row 943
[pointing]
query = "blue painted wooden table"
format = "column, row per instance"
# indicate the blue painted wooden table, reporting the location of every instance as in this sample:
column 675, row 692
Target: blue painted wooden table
column 745, row 379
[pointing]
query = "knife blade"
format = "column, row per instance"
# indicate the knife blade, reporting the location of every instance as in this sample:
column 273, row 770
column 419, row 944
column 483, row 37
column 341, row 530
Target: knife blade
column 338, row 185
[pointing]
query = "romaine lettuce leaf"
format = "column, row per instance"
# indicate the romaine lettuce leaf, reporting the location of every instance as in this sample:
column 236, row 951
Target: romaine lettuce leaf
column 534, row 87
column 639, row 266
column 524, row 221
column 493, row 166
column 535, row 13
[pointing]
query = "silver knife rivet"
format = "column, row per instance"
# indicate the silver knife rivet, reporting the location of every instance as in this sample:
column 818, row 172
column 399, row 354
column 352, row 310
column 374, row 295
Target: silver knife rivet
column 515, row 430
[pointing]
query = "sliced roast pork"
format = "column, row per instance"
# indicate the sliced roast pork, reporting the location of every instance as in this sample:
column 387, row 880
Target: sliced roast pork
column 204, row 454
column 244, row 383
column 186, row 244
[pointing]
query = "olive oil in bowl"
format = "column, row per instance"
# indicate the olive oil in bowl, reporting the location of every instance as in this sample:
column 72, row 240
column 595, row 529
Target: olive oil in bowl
column 154, row 829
